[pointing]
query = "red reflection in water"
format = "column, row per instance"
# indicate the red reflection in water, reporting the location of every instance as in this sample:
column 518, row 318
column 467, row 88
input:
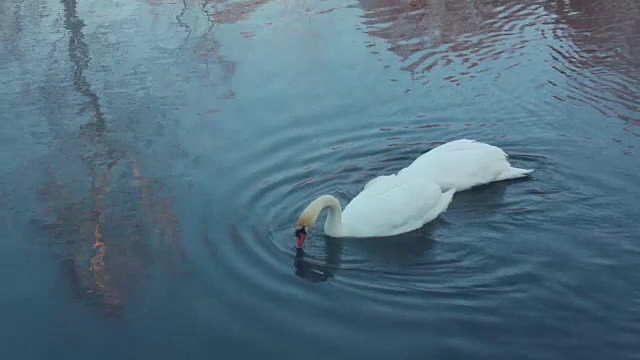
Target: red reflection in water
column 436, row 34
column 603, row 41
column 597, row 53
column 228, row 12
column 107, row 239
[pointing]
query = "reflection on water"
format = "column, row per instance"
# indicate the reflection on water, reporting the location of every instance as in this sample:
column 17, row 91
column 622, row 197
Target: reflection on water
column 319, row 272
column 605, row 32
column 108, row 220
column 405, row 250
column 229, row 12
column 593, row 44
column 601, row 57
column 437, row 34
column 207, row 50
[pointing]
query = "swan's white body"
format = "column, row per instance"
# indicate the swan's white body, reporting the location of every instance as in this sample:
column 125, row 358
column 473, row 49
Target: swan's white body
column 398, row 203
column 463, row 164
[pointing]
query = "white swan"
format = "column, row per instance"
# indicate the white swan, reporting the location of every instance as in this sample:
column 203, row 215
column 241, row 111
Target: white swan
column 394, row 204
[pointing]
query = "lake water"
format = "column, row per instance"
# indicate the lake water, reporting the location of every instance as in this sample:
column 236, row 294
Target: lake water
column 156, row 154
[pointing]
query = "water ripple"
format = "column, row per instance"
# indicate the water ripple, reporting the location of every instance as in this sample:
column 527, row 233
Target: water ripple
column 458, row 42
column 600, row 69
column 467, row 36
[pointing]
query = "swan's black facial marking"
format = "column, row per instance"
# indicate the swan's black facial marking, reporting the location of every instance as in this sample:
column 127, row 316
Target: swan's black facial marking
column 301, row 231
column 300, row 234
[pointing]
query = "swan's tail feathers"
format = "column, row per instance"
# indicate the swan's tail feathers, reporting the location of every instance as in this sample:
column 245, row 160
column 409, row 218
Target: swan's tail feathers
column 513, row 173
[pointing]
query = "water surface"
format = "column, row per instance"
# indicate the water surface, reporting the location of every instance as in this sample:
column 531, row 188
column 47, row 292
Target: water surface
column 155, row 156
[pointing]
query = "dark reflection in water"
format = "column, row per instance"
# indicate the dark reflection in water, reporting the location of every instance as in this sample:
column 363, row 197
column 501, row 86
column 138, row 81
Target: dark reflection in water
column 108, row 220
column 319, row 272
column 410, row 249
column 79, row 56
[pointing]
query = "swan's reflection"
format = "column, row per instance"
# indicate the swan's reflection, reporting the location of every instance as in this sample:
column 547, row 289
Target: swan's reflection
column 314, row 272
column 399, row 250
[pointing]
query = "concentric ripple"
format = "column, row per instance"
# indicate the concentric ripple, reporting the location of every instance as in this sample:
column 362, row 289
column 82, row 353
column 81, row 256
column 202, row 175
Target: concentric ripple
column 473, row 267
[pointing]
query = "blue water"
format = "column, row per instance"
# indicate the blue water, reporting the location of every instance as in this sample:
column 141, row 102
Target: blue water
column 155, row 157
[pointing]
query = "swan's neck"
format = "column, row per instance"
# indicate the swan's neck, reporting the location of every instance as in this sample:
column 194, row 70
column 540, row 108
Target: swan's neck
column 333, row 225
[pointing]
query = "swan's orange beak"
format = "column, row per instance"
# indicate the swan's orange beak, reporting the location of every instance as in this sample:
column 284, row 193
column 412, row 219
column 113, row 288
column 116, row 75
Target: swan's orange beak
column 301, row 234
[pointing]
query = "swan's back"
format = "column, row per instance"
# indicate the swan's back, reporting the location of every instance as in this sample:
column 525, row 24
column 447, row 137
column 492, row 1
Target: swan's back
column 464, row 144
column 394, row 204
column 462, row 164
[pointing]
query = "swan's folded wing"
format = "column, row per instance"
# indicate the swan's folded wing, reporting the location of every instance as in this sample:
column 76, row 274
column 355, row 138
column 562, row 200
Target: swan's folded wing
column 391, row 205
column 377, row 179
column 460, row 168
column 464, row 144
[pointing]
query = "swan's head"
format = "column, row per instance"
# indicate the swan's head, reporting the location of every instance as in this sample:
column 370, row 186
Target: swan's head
column 310, row 215
column 307, row 220
column 305, row 223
